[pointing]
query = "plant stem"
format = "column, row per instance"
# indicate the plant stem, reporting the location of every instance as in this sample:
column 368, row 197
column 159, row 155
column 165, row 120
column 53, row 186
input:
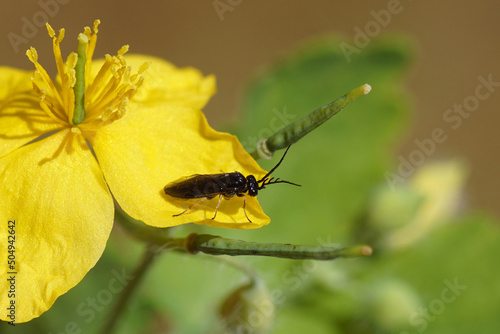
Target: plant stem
column 120, row 307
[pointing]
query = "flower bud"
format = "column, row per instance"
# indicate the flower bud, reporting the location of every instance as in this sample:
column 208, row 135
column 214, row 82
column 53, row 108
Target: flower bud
column 392, row 303
column 248, row 310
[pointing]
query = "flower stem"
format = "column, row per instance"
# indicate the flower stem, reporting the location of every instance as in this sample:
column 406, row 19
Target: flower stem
column 149, row 234
column 298, row 129
column 242, row 267
column 128, row 291
column 79, row 88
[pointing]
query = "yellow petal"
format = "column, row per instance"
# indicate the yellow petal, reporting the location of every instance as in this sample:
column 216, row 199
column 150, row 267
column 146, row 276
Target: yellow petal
column 153, row 146
column 63, row 214
column 21, row 118
column 164, row 83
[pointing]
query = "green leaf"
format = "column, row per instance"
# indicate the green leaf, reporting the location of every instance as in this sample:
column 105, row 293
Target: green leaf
column 338, row 163
column 455, row 272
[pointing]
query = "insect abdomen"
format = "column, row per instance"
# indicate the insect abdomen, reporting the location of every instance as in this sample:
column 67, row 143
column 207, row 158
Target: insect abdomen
column 195, row 186
column 207, row 185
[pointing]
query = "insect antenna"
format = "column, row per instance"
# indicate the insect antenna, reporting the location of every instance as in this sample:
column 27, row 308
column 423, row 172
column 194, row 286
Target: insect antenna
column 274, row 168
column 265, row 181
column 270, row 181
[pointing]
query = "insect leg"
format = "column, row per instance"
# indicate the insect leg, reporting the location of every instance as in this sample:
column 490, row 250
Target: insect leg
column 244, row 210
column 217, row 207
column 192, row 206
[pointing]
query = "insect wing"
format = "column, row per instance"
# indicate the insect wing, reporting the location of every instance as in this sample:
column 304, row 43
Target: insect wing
column 196, row 186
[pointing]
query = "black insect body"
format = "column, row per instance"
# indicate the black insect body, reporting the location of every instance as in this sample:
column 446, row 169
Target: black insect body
column 227, row 185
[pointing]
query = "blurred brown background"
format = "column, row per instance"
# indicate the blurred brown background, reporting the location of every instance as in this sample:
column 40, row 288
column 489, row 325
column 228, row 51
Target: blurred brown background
column 457, row 43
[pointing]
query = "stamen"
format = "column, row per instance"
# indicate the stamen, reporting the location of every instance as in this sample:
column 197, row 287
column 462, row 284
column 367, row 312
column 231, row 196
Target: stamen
column 90, row 50
column 33, row 57
column 103, row 72
column 83, row 100
column 50, row 94
column 67, row 99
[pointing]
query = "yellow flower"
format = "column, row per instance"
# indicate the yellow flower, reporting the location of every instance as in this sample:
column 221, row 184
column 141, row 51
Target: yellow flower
column 140, row 131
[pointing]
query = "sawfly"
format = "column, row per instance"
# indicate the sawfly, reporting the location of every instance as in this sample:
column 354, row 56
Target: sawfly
column 227, row 185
